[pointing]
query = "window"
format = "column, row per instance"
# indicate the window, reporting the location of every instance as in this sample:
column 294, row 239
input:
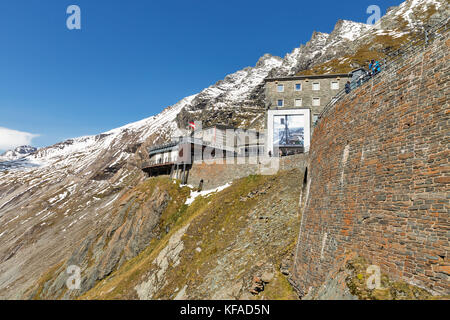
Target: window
column 315, row 119
column 280, row 88
column 334, row 85
column 298, row 87
column 316, row 102
column 298, row 102
column 316, row 86
column 280, row 103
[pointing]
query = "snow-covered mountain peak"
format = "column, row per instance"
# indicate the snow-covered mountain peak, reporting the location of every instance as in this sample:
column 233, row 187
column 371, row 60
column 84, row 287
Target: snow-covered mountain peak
column 413, row 12
column 318, row 37
column 349, row 30
column 231, row 92
column 17, row 153
column 408, row 7
column 268, row 61
column 321, row 45
column 159, row 127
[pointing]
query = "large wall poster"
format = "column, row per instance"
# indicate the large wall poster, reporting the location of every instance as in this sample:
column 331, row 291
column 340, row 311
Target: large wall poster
column 289, row 131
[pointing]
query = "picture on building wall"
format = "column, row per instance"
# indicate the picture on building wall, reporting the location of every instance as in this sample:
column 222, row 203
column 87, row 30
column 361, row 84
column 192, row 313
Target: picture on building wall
column 289, row 131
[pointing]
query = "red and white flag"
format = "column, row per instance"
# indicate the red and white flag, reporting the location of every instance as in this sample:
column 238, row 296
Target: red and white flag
column 192, row 125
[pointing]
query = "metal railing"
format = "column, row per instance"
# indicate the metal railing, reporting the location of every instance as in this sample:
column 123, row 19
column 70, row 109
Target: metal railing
column 394, row 57
column 188, row 140
column 163, row 146
column 151, row 163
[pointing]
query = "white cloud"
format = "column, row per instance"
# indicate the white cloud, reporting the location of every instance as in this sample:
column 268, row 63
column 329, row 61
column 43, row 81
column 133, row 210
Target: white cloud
column 10, row 139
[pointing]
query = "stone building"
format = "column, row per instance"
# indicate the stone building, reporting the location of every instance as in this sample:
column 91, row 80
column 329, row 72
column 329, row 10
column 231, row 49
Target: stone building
column 294, row 105
column 249, row 143
column 215, row 135
column 311, row 92
column 242, row 142
column 217, row 142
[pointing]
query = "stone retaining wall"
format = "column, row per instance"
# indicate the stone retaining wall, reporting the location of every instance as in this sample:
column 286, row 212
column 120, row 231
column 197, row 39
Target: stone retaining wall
column 215, row 175
column 379, row 178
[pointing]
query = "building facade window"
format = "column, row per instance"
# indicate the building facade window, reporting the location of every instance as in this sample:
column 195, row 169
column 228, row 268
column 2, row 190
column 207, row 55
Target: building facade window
column 298, row 87
column 280, row 103
column 316, row 86
column 315, row 119
column 288, row 129
column 280, row 88
column 334, row 85
column 316, row 102
column 298, row 102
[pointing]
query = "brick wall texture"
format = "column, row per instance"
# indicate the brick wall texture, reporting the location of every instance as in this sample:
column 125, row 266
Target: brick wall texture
column 379, row 177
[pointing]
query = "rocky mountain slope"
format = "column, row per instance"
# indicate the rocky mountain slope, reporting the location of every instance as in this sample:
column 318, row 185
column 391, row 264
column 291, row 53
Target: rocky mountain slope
column 349, row 47
column 228, row 245
column 62, row 203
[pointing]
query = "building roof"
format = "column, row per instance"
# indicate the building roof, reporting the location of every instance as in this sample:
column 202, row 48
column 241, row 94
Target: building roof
column 163, row 148
column 320, row 76
column 219, row 126
column 359, row 69
column 174, row 145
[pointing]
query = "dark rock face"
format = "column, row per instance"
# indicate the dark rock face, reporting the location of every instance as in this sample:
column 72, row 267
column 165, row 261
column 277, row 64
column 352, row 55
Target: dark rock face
column 108, row 172
column 132, row 148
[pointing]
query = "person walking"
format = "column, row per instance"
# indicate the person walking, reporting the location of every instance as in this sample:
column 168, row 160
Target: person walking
column 371, row 65
column 377, row 67
column 347, row 87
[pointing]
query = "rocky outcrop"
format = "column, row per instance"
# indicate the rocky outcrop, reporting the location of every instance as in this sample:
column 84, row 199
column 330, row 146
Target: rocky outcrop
column 228, row 245
column 168, row 257
column 137, row 219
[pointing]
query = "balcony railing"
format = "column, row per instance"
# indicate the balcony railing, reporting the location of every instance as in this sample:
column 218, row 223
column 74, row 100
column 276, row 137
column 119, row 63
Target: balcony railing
column 160, row 162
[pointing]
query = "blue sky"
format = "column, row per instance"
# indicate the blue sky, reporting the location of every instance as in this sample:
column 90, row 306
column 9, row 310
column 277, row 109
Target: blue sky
column 131, row 59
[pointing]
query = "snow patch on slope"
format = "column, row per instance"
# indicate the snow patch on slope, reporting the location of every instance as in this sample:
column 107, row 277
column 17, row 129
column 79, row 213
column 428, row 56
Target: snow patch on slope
column 205, row 193
column 83, row 151
column 352, row 30
column 407, row 8
column 17, row 153
column 237, row 86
